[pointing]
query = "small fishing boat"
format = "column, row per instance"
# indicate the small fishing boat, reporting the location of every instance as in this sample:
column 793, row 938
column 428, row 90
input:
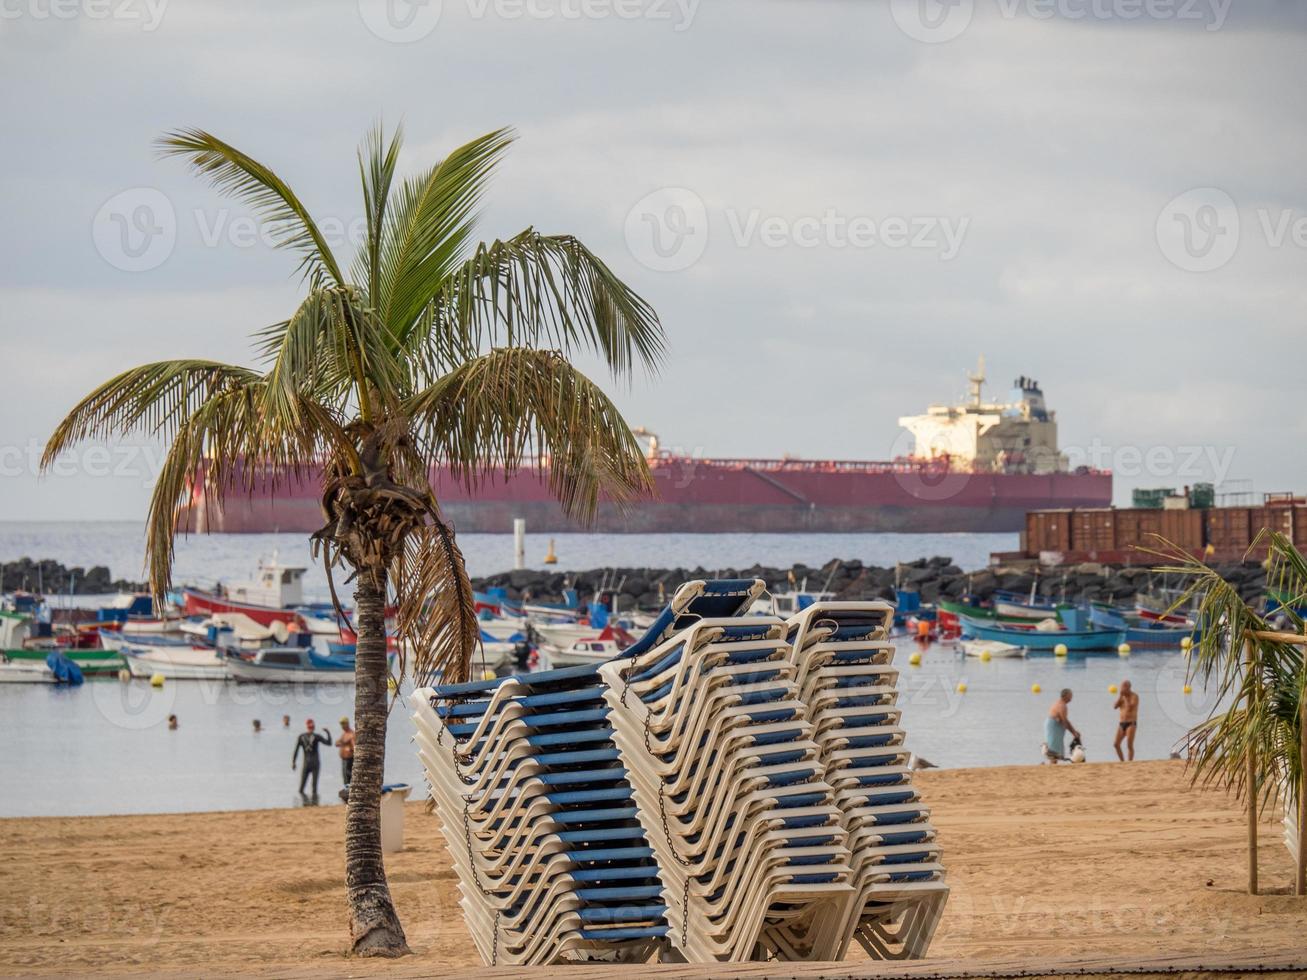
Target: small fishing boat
column 503, row 629
column 275, row 595
column 55, row 669
column 290, row 664
column 89, row 662
column 182, row 662
column 1140, row 631
column 25, row 672
column 1013, row 605
column 1044, row 640
column 589, row 651
column 991, row 648
column 1156, row 605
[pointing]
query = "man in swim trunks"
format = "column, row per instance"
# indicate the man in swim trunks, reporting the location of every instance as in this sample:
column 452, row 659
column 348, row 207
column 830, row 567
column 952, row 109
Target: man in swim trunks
column 1056, row 725
column 345, row 746
column 1128, row 705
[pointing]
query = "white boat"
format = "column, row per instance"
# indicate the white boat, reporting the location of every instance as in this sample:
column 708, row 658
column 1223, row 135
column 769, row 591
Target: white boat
column 287, row 665
column 994, row 648
column 504, row 629
column 245, row 630
column 561, row 636
column 786, row 604
column 32, row 672
column 592, row 650
column 191, row 663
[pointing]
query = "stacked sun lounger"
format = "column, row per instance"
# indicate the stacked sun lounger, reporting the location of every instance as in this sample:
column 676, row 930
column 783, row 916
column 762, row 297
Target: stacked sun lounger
column 732, row 787
column 844, row 671
column 728, row 782
column 537, row 813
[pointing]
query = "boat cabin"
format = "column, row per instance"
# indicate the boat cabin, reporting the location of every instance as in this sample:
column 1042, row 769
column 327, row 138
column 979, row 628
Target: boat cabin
column 275, row 585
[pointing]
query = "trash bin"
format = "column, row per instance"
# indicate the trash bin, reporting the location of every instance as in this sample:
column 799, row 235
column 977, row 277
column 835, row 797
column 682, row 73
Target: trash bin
column 393, row 796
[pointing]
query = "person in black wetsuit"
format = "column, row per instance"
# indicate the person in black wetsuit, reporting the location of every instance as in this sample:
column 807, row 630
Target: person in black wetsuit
column 308, row 743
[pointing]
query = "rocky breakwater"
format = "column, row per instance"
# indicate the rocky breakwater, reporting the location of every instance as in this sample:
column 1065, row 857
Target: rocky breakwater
column 932, row 578
column 52, row 578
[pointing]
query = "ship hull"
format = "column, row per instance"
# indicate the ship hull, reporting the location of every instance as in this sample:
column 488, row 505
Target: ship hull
column 705, row 496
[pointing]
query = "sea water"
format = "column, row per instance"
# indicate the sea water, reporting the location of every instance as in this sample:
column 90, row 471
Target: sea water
column 105, row 747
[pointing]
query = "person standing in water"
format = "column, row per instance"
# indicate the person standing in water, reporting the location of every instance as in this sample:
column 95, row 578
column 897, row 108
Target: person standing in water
column 308, row 743
column 1056, row 725
column 345, row 746
column 1128, row 705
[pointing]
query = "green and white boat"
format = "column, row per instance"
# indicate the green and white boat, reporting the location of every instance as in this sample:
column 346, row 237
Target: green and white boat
column 91, row 662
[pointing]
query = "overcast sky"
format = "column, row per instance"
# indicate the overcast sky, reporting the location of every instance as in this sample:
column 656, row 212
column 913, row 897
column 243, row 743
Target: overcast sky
column 834, row 206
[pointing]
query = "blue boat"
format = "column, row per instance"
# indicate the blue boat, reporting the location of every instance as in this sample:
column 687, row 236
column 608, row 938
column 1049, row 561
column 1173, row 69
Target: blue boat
column 1046, row 640
column 1140, row 632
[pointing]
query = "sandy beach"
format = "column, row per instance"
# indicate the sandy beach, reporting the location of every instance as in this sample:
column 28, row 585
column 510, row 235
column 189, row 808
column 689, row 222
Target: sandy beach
column 1091, row 860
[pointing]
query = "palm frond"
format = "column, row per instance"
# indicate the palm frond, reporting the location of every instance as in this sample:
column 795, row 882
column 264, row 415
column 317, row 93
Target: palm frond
column 155, row 399
column 514, row 406
column 271, row 198
column 1259, row 681
column 226, row 447
column 430, row 224
column 538, row 290
column 436, row 621
column 377, row 162
column 333, row 345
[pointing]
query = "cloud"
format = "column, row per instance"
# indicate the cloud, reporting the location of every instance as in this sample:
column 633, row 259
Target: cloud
column 1059, row 142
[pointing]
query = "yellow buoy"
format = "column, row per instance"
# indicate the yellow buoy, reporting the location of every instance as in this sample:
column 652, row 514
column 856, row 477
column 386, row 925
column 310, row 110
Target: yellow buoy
column 962, row 687
column 984, row 656
column 156, row 680
column 488, row 675
column 1187, row 643
column 915, row 660
column 550, row 557
column 1124, row 649
column 1188, row 689
column 1035, row 688
column 1059, row 650
column 1111, row 688
column 391, row 685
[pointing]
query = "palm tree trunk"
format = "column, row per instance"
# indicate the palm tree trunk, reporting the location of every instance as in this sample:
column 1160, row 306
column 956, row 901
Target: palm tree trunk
column 374, row 927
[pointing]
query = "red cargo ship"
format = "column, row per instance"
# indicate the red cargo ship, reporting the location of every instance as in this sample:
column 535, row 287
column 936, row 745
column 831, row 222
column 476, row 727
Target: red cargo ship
column 977, row 467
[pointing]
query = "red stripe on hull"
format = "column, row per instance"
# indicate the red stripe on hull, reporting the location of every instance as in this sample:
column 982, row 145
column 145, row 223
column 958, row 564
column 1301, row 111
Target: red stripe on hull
column 718, row 496
column 205, row 604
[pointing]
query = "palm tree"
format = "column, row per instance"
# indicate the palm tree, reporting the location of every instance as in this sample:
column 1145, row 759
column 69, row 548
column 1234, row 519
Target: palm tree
column 1255, row 741
column 430, row 348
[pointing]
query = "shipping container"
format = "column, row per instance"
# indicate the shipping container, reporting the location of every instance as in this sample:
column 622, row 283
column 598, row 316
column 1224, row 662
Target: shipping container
column 1229, row 529
column 1047, row 530
column 1093, row 530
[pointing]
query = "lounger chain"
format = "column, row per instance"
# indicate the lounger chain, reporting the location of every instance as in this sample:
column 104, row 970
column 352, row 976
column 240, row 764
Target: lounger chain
column 685, row 913
column 667, row 828
column 494, row 940
column 471, row 859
